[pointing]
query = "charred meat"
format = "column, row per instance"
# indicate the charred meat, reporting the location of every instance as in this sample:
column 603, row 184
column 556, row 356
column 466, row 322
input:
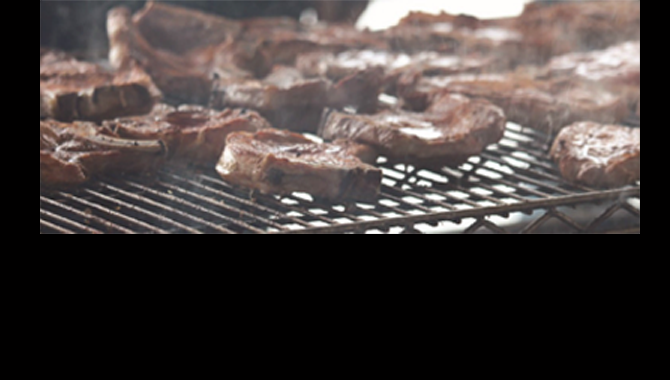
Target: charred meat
column 281, row 162
column 543, row 105
column 601, row 156
column 72, row 154
column 453, row 129
column 75, row 90
column 191, row 133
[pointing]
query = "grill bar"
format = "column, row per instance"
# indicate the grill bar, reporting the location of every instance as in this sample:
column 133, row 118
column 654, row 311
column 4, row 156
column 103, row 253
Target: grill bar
column 513, row 177
column 144, row 213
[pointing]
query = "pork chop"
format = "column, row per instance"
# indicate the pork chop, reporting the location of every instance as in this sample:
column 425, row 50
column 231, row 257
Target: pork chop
column 543, row 105
column 453, row 129
column 601, row 156
column 72, row 154
column 76, row 90
column 191, row 133
column 281, row 162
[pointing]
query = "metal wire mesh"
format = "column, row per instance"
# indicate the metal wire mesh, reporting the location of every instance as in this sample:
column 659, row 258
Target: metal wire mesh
column 512, row 187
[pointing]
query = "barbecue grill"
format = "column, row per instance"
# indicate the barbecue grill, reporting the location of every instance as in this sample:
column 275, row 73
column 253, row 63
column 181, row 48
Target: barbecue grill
column 513, row 187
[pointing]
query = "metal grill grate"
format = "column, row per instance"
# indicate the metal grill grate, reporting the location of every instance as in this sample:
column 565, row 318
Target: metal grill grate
column 512, row 187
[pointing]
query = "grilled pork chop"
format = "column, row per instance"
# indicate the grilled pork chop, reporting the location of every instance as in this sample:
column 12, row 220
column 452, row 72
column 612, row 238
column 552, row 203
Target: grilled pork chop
column 75, row 90
column 192, row 133
column 72, row 154
column 281, row 162
column 546, row 106
column 618, row 69
column 579, row 26
column 453, row 129
column 287, row 90
column 185, row 71
column 187, row 52
column 460, row 35
column 338, row 66
column 601, row 156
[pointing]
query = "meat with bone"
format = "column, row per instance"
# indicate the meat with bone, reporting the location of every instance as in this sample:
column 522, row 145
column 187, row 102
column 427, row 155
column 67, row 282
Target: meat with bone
column 75, row 90
column 453, row 129
column 601, row 156
column 284, row 87
column 618, row 69
column 459, row 35
column 282, row 45
column 579, row 26
column 287, row 90
column 281, row 162
column 192, row 133
column 186, row 60
column 338, row 66
column 546, row 106
column 72, row 154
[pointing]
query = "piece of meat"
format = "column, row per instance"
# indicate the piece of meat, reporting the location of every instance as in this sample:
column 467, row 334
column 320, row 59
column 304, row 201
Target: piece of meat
column 282, row 46
column 286, row 90
column 618, row 69
column 285, row 87
column 181, row 30
column 579, row 26
column 359, row 91
column 281, row 162
column 75, row 90
column 186, row 72
column 73, row 154
column 338, row 66
column 543, row 105
column 601, row 156
column 453, row 129
column 191, row 133
column 459, row 35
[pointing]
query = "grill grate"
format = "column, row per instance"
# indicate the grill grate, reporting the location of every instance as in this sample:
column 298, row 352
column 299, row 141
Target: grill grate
column 512, row 187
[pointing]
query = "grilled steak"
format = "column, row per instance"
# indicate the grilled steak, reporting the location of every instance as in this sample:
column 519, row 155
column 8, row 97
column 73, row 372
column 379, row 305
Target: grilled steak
column 393, row 65
column 72, row 154
column 601, row 156
column 187, row 52
column 460, row 35
column 286, row 90
column 75, row 90
column 546, row 106
column 450, row 131
column 281, row 162
column 283, row 45
column 618, row 69
column 191, row 133
column 186, row 71
column 579, row 26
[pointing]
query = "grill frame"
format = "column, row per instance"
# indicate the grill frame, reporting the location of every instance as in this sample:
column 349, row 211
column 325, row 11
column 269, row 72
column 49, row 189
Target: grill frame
column 514, row 177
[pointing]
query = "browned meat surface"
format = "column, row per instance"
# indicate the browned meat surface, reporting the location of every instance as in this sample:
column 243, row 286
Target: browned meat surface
column 187, row 52
column 192, row 133
column 286, row 90
column 184, row 77
column 460, row 35
column 618, row 69
column 601, row 156
column 546, row 106
column 579, row 26
column 450, row 131
column 75, row 90
column 283, row 45
column 72, row 154
column 281, row 162
column 338, row 66
column 285, row 87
